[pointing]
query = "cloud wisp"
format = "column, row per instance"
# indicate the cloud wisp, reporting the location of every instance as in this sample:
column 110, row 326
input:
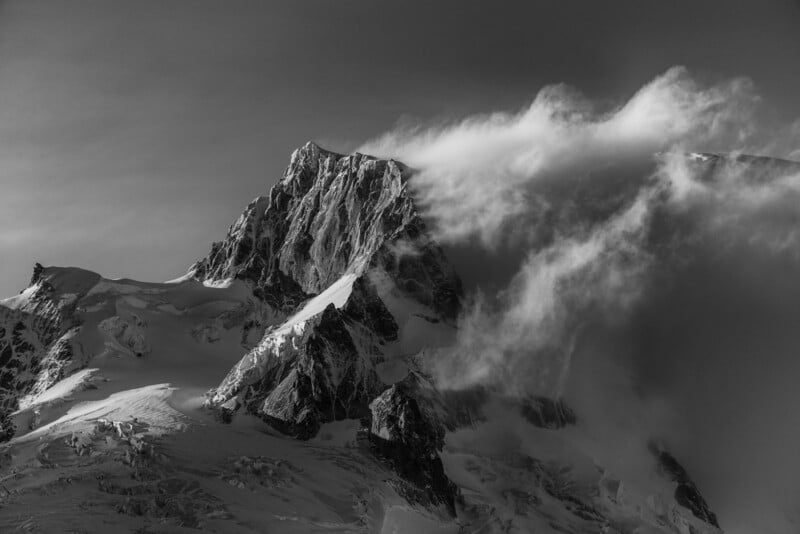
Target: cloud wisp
column 525, row 342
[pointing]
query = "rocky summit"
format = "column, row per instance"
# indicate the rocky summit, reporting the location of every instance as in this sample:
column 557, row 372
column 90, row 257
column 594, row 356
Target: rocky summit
column 332, row 215
column 343, row 235
column 282, row 385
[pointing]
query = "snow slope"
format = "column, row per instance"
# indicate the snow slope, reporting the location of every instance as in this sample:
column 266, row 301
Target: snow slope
column 115, row 445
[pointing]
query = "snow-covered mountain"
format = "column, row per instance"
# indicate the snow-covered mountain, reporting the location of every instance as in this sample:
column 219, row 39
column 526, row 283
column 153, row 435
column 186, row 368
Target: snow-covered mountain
column 280, row 386
column 344, row 230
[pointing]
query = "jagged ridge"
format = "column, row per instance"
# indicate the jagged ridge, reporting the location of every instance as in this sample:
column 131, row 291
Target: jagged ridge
column 329, row 215
column 344, row 231
column 36, row 332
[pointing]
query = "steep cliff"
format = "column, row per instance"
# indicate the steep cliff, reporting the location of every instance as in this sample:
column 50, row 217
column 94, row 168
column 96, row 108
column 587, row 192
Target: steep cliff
column 331, row 215
column 344, row 232
column 37, row 331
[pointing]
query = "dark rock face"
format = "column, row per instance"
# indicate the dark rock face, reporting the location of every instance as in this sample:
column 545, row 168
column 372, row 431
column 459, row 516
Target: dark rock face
column 299, row 378
column 545, row 412
column 329, row 215
column 7, row 427
column 343, row 225
column 686, row 493
column 405, row 432
column 35, row 341
column 332, row 220
column 465, row 407
column 365, row 308
column 322, row 369
column 38, row 270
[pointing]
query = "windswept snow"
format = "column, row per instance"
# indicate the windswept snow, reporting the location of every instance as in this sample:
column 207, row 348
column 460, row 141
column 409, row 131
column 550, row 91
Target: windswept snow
column 186, row 277
column 218, row 284
column 337, row 294
column 148, row 404
column 18, row 301
column 59, row 391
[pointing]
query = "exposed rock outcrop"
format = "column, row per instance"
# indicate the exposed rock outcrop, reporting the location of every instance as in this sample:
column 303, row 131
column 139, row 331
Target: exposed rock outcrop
column 36, row 332
column 127, row 333
column 686, row 492
column 344, row 233
column 545, row 412
column 329, row 215
column 405, row 430
column 340, row 247
column 301, row 376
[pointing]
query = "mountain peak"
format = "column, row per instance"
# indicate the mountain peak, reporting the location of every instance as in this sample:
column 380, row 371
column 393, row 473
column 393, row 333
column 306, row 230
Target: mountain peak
column 331, row 215
column 312, row 149
column 339, row 255
column 327, row 298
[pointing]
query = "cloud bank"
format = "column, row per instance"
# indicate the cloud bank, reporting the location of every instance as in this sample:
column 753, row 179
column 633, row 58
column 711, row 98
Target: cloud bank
column 481, row 174
column 573, row 185
column 621, row 214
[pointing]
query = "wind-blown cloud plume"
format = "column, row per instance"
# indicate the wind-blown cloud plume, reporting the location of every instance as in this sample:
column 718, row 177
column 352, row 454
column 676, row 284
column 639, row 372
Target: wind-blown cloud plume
column 621, row 210
column 526, row 343
column 480, row 174
column 573, row 185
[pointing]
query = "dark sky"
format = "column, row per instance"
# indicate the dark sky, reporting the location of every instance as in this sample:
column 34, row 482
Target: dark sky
column 133, row 133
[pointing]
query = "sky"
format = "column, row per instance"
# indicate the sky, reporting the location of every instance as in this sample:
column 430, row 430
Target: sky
column 133, row 133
